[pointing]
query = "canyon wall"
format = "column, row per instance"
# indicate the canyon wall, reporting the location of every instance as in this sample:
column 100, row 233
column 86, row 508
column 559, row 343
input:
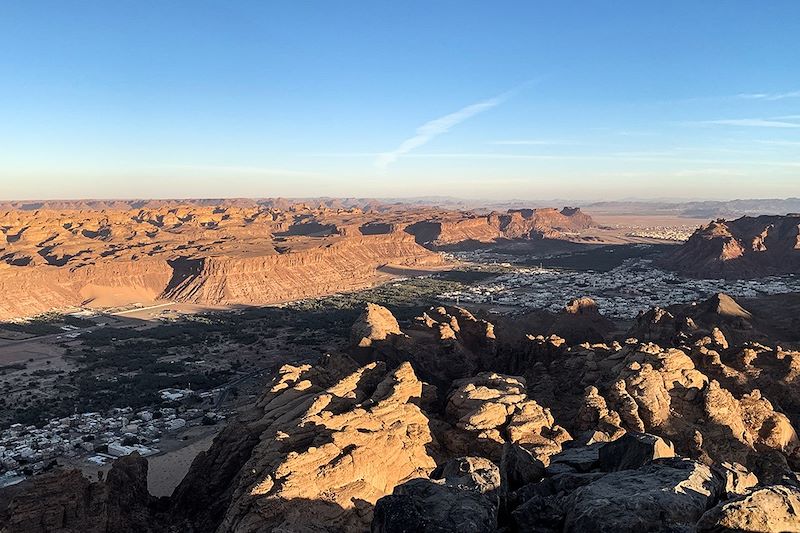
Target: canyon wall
column 62, row 255
column 514, row 224
column 341, row 265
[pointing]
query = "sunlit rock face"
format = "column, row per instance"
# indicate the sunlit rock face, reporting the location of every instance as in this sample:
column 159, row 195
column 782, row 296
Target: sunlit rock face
column 330, row 447
column 109, row 254
column 748, row 247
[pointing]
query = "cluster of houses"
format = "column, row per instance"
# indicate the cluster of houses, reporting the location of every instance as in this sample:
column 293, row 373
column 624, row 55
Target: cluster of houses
column 664, row 233
column 619, row 293
column 27, row 450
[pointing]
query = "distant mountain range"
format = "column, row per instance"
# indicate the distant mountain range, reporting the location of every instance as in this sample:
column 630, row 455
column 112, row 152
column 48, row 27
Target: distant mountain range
column 709, row 209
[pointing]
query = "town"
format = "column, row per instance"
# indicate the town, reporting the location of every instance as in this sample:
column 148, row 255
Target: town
column 620, row 293
column 96, row 437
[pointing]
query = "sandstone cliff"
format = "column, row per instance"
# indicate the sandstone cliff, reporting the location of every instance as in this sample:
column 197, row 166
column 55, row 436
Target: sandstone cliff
column 205, row 255
column 747, row 247
column 514, row 224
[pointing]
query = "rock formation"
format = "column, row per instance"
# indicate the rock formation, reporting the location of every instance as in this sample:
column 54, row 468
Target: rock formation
column 747, row 247
column 59, row 255
column 67, row 502
column 376, row 323
column 205, row 255
column 461, row 495
column 447, row 425
column 446, row 230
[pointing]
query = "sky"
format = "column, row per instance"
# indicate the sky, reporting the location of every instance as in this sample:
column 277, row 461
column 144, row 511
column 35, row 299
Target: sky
column 482, row 100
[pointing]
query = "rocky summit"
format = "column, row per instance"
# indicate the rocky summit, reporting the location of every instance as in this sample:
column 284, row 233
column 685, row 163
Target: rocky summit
column 445, row 424
column 748, row 247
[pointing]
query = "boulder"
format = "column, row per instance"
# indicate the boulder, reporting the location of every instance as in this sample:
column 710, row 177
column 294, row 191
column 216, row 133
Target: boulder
column 376, row 323
column 664, row 496
column 518, row 468
column 770, row 509
column 461, row 496
column 575, row 459
column 633, row 450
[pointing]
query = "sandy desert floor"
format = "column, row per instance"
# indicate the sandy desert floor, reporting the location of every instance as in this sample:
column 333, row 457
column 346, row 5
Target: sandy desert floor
column 166, row 470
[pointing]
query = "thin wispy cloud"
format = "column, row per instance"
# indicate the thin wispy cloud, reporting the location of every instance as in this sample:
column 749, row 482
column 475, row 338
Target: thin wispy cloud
column 432, row 129
column 750, row 123
column 688, row 173
column 530, row 142
column 770, row 96
column 778, row 143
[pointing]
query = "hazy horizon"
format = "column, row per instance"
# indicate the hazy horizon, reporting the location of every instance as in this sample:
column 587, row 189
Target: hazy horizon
column 428, row 199
column 469, row 100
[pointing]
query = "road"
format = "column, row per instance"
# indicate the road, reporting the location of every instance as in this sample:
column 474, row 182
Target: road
column 54, row 336
column 138, row 309
column 224, row 394
column 41, row 338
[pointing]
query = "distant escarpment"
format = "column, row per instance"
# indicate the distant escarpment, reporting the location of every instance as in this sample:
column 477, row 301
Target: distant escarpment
column 747, row 247
column 347, row 263
column 514, row 224
column 204, row 255
column 449, row 424
column 231, row 252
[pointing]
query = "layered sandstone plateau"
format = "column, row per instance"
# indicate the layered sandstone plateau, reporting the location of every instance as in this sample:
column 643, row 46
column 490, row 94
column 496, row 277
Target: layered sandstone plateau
column 450, row 424
column 748, row 247
column 228, row 253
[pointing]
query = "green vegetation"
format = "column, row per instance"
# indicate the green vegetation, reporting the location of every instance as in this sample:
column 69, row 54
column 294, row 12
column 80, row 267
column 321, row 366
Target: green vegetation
column 406, row 298
column 45, row 324
column 126, row 367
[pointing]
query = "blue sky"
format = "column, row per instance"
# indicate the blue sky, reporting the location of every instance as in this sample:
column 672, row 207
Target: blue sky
column 495, row 100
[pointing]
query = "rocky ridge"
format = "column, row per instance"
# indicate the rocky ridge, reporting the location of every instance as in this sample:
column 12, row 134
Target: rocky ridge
column 748, row 247
column 447, row 424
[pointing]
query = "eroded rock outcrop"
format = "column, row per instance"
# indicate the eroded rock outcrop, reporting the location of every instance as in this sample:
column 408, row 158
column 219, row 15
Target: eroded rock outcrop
column 663, row 496
column 491, row 409
column 742, row 248
column 330, row 447
column 539, row 435
column 771, row 509
column 376, row 323
column 68, row 502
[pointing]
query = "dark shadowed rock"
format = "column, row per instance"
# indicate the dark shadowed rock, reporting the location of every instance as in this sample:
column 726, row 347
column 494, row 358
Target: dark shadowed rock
column 462, row 496
column 541, row 507
column 67, row 502
column 575, row 459
column 666, row 495
column 633, row 450
column 518, row 468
